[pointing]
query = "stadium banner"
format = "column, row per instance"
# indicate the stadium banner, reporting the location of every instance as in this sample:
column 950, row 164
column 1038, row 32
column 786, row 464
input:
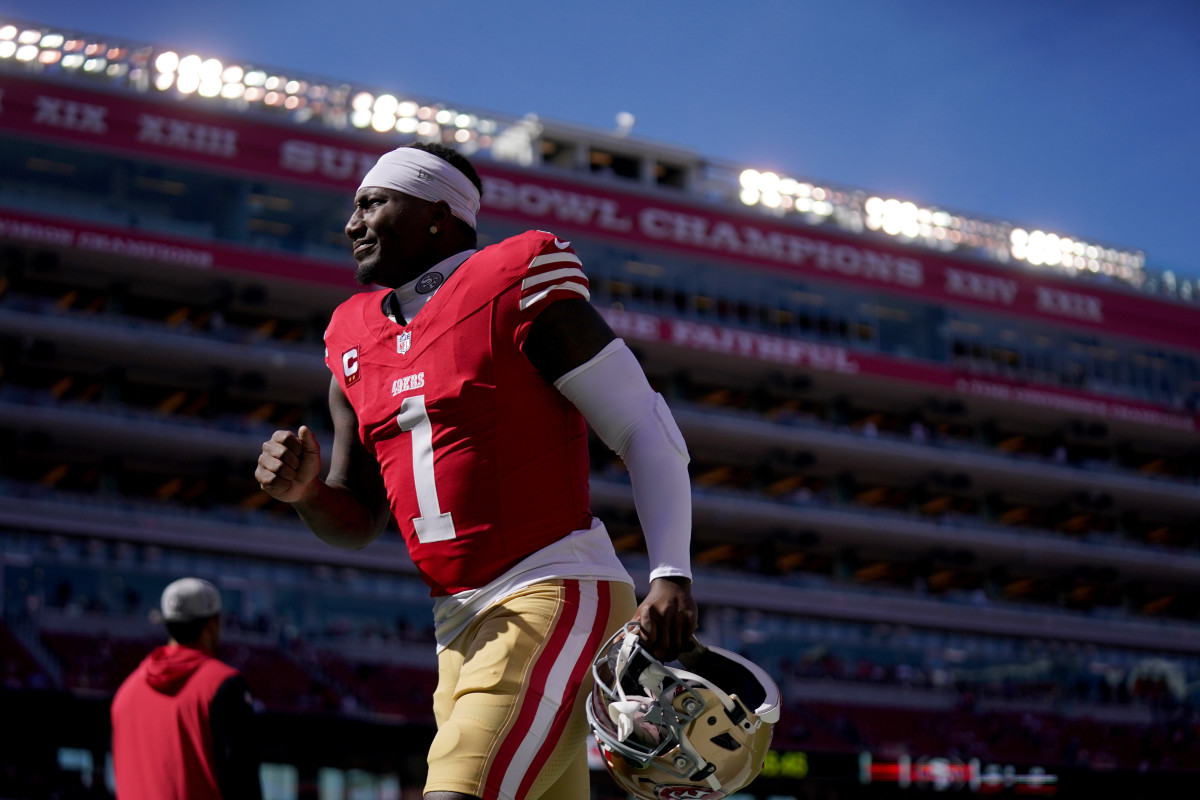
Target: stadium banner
column 196, row 134
column 170, row 249
column 768, row 348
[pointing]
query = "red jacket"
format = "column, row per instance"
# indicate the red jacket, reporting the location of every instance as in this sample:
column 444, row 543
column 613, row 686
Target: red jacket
column 179, row 722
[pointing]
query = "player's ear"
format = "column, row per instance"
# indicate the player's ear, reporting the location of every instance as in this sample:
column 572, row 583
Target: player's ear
column 440, row 215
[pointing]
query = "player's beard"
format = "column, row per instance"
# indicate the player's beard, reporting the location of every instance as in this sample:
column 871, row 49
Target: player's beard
column 369, row 269
column 365, row 274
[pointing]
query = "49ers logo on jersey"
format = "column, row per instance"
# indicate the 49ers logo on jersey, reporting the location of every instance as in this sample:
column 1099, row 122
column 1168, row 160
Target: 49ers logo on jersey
column 685, row 793
column 350, row 365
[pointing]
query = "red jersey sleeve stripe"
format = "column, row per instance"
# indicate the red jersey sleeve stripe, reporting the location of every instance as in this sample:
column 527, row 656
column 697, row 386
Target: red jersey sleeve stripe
column 552, row 272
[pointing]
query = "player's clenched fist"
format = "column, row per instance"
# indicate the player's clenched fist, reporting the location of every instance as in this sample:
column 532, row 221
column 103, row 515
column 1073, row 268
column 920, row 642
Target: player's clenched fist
column 289, row 464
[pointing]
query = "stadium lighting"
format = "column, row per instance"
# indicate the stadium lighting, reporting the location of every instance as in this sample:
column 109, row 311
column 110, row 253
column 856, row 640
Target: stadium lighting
column 386, row 104
column 781, row 194
column 1039, row 248
column 932, row 227
column 167, row 62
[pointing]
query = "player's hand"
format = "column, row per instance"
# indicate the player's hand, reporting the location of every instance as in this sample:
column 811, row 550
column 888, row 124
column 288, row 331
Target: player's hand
column 289, row 464
column 668, row 617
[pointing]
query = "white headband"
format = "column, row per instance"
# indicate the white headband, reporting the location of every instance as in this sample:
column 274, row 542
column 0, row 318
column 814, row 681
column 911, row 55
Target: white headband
column 424, row 175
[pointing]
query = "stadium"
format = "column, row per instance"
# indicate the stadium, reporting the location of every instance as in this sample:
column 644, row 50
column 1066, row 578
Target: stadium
column 944, row 467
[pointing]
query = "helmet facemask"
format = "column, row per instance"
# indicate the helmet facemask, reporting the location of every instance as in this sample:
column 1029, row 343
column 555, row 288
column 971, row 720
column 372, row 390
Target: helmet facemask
column 664, row 729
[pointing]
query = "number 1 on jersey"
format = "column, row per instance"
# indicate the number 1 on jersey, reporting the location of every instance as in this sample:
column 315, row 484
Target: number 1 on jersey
column 432, row 525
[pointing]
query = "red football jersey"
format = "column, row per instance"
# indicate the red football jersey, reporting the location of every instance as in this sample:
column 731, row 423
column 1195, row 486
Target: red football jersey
column 484, row 461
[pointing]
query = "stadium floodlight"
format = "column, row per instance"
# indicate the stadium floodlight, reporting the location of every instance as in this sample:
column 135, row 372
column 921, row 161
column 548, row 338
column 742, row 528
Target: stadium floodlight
column 210, row 78
column 781, row 193
column 386, row 104
column 29, row 37
column 167, row 62
column 27, row 52
column 1039, row 248
column 8, row 33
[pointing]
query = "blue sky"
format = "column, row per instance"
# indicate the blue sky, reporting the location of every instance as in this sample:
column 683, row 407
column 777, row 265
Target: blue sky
column 1077, row 117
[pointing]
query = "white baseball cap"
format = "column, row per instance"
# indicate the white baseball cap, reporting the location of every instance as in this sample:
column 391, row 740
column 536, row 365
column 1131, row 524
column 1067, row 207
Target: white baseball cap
column 188, row 599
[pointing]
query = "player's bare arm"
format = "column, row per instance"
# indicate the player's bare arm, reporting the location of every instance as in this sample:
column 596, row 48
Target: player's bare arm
column 349, row 508
column 568, row 334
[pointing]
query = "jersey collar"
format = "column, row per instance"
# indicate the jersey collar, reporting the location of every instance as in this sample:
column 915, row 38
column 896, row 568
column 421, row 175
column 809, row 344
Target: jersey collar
column 412, row 296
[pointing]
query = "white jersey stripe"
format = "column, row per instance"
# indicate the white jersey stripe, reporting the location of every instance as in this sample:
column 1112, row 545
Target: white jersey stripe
column 572, row 651
column 553, row 275
column 526, row 302
column 553, row 258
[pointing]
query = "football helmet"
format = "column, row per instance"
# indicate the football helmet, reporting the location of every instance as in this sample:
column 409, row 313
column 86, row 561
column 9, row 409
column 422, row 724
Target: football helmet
column 699, row 732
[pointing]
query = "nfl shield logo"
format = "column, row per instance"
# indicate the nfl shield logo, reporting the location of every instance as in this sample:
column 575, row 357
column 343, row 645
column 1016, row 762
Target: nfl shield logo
column 403, row 342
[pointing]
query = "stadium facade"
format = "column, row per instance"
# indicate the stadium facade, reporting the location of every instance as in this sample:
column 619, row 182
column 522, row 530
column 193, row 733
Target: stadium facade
column 945, row 468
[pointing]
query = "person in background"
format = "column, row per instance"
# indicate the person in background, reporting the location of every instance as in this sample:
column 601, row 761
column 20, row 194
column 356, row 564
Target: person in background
column 183, row 722
column 461, row 397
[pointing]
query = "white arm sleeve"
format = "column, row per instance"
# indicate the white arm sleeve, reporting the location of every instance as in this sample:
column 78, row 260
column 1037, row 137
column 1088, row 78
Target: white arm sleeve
column 615, row 398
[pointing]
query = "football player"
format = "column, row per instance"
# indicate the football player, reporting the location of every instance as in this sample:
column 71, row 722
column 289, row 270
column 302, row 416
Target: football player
column 459, row 398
